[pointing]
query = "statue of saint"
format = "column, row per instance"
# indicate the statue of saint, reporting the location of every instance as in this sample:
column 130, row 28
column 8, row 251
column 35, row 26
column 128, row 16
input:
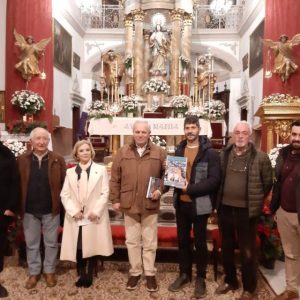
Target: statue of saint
column 284, row 63
column 113, row 67
column 30, row 54
column 206, row 78
column 160, row 49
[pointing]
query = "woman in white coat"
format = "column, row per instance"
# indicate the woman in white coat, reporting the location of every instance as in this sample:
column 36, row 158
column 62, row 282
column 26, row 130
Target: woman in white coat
column 87, row 231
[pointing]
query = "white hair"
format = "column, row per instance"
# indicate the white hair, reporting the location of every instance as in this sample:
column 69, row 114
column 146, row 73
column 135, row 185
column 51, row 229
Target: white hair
column 141, row 122
column 245, row 123
column 36, row 130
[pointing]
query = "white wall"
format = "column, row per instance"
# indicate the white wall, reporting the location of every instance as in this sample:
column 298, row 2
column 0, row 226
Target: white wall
column 67, row 14
column 2, row 43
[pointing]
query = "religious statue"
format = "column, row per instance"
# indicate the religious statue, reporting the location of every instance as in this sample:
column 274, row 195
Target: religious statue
column 160, row 50
column 284, row 63
column 31, row 52
column 112, row 67
column 206, row 78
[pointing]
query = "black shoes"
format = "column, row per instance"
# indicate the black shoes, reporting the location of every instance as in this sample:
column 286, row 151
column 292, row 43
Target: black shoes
column 200, row 288
column 133, row 282
column 224, row 288
column 151, row 284
column 179, row 283
column 3, row 291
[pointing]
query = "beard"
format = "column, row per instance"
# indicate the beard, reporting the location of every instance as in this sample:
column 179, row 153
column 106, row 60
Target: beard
column 295, row 145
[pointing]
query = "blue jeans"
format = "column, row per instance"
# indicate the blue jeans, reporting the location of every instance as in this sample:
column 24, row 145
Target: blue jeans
column 33, row 227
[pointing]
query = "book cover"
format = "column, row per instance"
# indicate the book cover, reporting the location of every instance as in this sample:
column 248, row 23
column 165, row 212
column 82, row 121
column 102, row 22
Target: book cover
column 153, row 185
column 175, row 174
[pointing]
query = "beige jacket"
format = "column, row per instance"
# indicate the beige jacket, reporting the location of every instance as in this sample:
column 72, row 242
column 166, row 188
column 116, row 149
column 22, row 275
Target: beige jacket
column 96, row 237
column 130, row 177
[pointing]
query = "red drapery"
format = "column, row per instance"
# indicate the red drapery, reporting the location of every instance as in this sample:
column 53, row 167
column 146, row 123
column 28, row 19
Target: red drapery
column 282, row 17
column 29, row 17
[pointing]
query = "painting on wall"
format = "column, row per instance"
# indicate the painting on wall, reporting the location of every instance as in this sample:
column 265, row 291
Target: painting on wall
column 62, row 49
column 256, row 49
column 76, row 61
column 245, row 60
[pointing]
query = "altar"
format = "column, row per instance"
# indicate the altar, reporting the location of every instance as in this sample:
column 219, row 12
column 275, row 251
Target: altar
column 123, row 126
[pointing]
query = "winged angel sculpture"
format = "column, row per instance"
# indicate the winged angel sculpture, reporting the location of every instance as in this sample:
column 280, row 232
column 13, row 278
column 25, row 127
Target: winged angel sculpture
column 284, row 63
column 30, row 54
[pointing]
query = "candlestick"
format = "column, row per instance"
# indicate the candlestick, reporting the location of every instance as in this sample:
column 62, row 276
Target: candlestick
column 196, row 68
column 116, row 69
column 102, row 68
column 132, row 67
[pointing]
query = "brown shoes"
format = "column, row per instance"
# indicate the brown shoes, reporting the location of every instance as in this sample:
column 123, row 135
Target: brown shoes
column 288, row 295
column 133, row 282
column 151, row 284
column 32, row 281
column 50, row 279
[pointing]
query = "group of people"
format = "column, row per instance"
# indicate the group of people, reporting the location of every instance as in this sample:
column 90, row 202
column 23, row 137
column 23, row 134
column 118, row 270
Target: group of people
column 235, row 183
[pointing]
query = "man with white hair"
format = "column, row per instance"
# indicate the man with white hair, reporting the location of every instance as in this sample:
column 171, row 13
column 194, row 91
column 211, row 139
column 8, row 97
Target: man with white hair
column 132, row 168
column 246, row 180
column 42, row 174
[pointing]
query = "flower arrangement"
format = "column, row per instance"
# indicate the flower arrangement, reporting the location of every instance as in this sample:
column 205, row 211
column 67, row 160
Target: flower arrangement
column 180, row 103
column 270, row 240
column 184, row 61
column 155, row 139
column 195, row 111
column 273, row 154
column 130, row 103
column 24, row 127
column 153, row 85
column 98, row 109
column 214, row 110
column 16, row 147
column 28, row 101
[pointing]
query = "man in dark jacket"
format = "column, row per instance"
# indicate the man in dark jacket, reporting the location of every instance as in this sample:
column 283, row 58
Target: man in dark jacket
column 246, row 180
column 194, row 203
column 42, row 174
column 9, row 191
column 286, row 203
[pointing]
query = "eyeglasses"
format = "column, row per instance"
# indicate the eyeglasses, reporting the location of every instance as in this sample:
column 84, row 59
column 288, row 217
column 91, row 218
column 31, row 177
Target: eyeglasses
column 243, row 166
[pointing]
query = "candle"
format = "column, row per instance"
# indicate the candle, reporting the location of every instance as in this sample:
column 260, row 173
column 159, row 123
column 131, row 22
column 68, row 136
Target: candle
column 116, row 68
column 179, row 66
column 102, row 68
column 132, row 67
column 196, row 67
column 212, row 64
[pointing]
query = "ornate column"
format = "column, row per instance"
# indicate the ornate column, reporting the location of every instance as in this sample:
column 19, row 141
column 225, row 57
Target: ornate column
column 186, row 47
column 147, row 55
column 138, row 16
column 176, row 17
column 128, row 48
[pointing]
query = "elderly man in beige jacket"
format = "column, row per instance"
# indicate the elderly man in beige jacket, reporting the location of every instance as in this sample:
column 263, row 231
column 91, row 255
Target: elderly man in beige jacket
column 132, row 168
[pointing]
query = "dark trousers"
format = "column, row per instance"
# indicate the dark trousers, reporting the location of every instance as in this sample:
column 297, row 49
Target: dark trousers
column 185, row 218
column 4, row 222
column 238, row 229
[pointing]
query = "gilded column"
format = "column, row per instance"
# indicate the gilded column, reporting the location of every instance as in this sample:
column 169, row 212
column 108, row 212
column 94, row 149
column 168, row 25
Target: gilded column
column 176, row 17
column 138, row 50
column 147, row 55
column 128, row 35
column 186, row 47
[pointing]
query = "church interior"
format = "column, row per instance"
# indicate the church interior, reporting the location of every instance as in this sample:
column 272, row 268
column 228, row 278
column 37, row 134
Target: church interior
column 93, row 67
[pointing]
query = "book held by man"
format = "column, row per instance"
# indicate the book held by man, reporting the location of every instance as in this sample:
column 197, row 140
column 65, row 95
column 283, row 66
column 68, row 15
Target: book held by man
column 153, row 185
column 175, row 174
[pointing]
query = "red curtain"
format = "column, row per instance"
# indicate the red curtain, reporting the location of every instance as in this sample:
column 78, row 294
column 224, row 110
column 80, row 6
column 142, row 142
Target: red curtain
column 282, row 17
column 29, row 17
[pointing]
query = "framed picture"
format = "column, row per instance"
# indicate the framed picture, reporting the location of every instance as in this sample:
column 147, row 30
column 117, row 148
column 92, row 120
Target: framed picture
column 245, row 61
column 62, row 49
column 76, row 61
column 256, row 49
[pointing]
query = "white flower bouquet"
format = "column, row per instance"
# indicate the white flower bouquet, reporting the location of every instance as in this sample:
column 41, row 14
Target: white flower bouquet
column 214, row 110
column 153, row 85
column 98, row 109
column 195, row 111
column 180, row 103
column 130, row 103
column 28, row 101
column 155, row 139
column 16, row 147
column 273, row 154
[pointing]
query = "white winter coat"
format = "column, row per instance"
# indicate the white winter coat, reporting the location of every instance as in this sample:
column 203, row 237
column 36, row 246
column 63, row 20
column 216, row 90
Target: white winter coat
column 96, row 237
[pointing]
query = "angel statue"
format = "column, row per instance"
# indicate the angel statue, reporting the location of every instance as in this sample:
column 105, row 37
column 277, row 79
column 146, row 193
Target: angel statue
column 113, row 67
column 30, row 55
column 284, row 63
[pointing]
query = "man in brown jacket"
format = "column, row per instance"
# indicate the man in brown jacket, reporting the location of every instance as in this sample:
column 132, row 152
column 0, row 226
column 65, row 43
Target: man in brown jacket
column 42, row 173
column 132, row 168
